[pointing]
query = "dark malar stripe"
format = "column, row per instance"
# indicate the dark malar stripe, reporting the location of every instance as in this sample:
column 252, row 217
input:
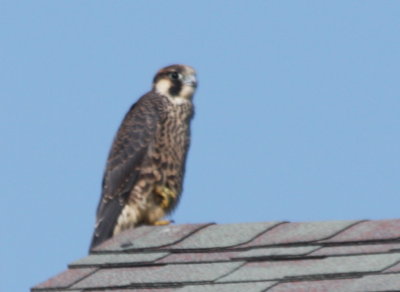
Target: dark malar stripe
column 175, row 88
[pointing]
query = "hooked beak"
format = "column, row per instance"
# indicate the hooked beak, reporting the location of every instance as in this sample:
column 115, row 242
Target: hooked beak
column 190, row 80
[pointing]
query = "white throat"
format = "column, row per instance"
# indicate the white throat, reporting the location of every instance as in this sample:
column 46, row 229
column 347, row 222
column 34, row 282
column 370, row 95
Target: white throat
column 177, row 100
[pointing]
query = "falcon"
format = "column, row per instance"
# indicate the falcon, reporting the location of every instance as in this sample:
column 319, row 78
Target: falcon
column 144, row 172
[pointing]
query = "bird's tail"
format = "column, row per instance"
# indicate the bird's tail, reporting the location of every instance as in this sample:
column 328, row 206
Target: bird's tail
column 115, row 218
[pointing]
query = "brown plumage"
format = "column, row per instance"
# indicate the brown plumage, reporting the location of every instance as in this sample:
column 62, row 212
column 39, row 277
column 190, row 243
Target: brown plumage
column 143, row 177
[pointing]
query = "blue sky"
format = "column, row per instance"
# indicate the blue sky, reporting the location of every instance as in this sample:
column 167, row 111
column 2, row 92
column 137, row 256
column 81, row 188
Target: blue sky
column 297, row 113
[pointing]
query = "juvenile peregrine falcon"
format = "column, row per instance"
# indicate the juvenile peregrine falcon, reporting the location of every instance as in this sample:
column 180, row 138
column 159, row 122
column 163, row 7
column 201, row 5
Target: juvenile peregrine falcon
column 144, row 172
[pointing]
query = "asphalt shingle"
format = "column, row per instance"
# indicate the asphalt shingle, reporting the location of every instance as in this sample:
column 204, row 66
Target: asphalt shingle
column 136, row 290
column 231, row 287
column 369, row 231
column 258, row 271
column 289, row 233
column 167, row 235
column 222, row 256
column 198, row 257
column 125, row 238
column 375, row 283
column 146, row 237
column 338, row 256
column 356, row 249
column 225, row 235
column 185, row 273
column 312, row 286
column 393, row 269
column 118, row 259
column 276, row 252
column 63, row 290
column 66, row 279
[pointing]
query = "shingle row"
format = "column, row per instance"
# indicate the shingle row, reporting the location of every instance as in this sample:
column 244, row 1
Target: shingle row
column 269, row 256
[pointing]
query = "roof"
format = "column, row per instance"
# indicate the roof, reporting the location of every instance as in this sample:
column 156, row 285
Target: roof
column 252, row 257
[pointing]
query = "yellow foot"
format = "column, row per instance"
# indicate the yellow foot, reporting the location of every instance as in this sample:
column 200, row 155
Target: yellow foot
column 162, row 222
column 167, row 196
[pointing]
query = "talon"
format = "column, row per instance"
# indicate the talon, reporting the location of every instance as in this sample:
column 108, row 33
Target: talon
column 166, row 194
column 162, row 222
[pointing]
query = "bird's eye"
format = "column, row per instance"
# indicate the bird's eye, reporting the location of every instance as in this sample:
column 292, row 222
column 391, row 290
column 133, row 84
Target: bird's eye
column 174, row 75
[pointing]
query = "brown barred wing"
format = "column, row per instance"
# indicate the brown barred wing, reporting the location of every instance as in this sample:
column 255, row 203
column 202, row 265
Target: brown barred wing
column 128, row 150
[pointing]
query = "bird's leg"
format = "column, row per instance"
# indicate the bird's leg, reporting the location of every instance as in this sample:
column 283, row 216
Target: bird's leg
column 167, row 196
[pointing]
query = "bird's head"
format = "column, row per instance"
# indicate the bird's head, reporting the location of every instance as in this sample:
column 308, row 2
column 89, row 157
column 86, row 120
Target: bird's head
column 176, row 81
